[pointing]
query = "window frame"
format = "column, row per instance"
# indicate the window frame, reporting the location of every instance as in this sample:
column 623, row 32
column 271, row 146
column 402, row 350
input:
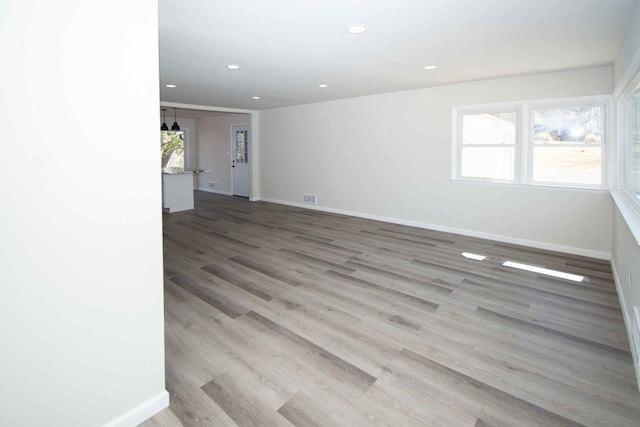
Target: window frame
column 523, row 174
column 532, row 107
column 457, row 120
column 627, row 201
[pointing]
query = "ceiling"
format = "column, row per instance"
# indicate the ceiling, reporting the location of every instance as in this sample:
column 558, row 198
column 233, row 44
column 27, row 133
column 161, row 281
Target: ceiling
column 286, row 48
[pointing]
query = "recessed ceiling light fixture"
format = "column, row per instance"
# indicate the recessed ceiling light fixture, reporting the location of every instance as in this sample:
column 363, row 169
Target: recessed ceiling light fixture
column 171, row 85
column 430, row 67
column 255, row 97
column 323, row 85
column 233, row 67
column 357, row 29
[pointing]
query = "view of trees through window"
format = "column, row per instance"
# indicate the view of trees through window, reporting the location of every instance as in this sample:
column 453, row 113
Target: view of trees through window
column 172, row 150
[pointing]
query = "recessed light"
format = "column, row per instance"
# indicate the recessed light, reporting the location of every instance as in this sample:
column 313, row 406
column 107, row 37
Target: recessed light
column 430, row 67
column 357, row 29
column 233, row 67
column 170, row 85
column 323, row 85
column 255, row 97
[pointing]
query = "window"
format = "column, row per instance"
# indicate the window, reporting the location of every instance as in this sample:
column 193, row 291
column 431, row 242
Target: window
column 560, row 143
column 631, row 144
column 567, row 145
column 242, row 148
column 487, row 145
column 172, row 150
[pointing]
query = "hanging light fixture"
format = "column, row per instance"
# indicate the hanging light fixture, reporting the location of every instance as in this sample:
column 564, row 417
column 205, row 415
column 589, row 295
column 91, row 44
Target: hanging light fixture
column 175, row 126
column 164, row 120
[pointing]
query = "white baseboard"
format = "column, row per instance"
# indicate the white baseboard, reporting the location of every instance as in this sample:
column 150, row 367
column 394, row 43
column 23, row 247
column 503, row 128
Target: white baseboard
column 462, row 231
column 142, row 412
column 626, row 315
column 211, row 190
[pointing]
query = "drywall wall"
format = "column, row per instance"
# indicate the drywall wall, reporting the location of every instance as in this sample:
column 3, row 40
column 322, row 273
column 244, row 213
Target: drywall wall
column 214, row 150
column 81, row 299
column 629, row 47
column 389, row 156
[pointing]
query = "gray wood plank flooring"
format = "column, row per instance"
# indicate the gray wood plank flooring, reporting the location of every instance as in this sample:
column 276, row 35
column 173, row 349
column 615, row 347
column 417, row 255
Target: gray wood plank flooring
column 283, row 316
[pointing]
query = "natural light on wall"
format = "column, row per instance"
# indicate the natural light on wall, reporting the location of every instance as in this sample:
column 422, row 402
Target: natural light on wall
column 546, row 271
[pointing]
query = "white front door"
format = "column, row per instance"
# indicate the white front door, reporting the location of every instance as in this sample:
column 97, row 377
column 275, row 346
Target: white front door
column 240, row 160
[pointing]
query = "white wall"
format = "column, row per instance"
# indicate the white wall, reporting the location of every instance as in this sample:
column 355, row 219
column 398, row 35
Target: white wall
column 389, row 155
column 214, row 148
column 629, row 47
column 81, row 305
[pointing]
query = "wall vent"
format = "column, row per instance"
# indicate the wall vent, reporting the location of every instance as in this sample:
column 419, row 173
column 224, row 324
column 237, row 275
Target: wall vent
column 211, row 184
column 635, row 337
column 310, row 198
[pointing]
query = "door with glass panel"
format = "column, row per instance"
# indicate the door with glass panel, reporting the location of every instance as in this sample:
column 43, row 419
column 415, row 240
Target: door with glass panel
column 240, row 160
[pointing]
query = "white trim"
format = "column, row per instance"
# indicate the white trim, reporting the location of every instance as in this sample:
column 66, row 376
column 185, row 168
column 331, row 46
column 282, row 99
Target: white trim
column 629, row 77
column 626, row 316
column 455, row 230
column 181, row 106
column 536, row 186
column 142, row 412
column 524, row 146
column 211, row 190
column 627, row 209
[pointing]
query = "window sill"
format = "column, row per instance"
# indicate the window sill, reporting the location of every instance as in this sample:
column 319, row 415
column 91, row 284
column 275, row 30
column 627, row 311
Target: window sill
column 629, row 211
column 531, row 186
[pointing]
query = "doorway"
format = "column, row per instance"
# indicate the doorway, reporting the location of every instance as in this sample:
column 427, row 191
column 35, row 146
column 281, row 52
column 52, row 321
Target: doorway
column 240, row 162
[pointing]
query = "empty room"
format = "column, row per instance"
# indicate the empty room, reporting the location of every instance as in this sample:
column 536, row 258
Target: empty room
column 320, row 213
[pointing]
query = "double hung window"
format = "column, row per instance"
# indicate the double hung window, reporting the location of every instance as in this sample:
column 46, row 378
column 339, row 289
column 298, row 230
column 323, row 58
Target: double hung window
column 557, row 143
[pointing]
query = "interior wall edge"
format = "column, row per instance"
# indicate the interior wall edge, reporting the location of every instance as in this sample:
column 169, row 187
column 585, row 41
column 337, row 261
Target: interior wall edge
column 142, row 412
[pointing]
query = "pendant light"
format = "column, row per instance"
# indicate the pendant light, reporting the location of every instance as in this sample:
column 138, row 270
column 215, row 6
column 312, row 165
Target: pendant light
column 164, row 120
column 175, row 126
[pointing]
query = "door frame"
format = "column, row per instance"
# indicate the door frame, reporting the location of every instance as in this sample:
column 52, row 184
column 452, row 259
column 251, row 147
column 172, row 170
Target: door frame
column 254, row 147
column 232, row 152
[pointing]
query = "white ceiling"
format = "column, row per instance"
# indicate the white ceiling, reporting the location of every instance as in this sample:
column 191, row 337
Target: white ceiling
column 286, row 48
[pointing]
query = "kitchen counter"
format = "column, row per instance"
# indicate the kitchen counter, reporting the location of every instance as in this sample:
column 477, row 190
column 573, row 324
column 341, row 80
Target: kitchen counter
column 177, row 191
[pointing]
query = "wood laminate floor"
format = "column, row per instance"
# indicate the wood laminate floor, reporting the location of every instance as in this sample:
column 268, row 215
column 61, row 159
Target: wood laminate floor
column 278, row 316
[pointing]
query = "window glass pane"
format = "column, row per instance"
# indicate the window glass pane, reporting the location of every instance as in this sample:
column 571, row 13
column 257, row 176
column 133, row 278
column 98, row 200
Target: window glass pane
column 241, row 147
column 488, row 162
column 489, row 128
column 172, row 149
column 581, row 125
column 631, row 151
column 571, row 165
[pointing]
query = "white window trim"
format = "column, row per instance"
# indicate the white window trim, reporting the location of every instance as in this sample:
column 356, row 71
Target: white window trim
column 524, row 142
column 628, row 203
